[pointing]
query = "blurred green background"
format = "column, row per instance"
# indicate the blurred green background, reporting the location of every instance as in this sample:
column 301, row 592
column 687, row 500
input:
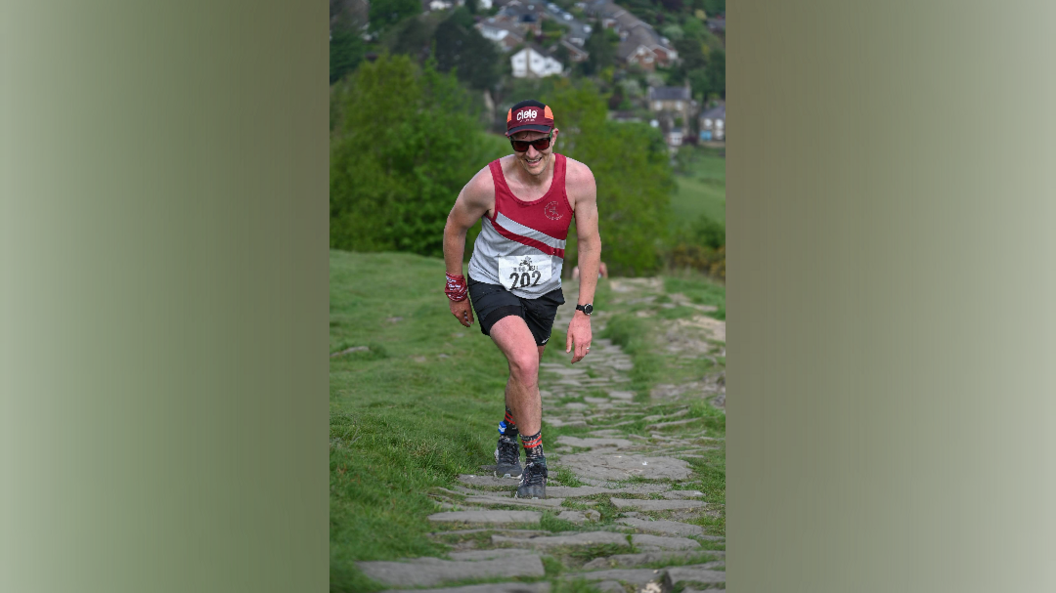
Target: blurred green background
column 418, row 103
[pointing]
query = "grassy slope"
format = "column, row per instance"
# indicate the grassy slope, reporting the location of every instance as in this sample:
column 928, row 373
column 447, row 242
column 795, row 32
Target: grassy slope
column 421, row 404
column 411, row 413
column 701, row 187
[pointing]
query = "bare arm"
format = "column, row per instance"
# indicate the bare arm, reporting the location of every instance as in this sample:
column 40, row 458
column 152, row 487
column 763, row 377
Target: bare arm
column 585, row 193
column 474, row 201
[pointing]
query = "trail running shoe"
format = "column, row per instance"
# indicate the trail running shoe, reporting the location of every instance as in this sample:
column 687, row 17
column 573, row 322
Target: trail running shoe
column 507, row 458
column 533, row 479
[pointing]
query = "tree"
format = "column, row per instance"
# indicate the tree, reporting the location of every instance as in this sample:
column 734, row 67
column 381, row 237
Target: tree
column 462, row 48
column 413, row 37
column 715, row 7
column 386, row 13
column 601, row 45
column 346, row 49
column 406, row 146
column 717, row 73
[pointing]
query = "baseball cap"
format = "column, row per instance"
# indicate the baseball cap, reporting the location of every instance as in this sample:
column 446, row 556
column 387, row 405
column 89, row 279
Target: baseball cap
column 531, row 116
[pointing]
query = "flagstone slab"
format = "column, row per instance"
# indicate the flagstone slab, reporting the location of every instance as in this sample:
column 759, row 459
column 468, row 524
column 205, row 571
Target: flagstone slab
column 571, row 491
column 682, row 494
column 474, row 555
column 675, row 414
column 425, row 572
column 653, row 505
column 558, row 423
column 605, row 433
column 610, row 466
column 663, row 527
column 661, row 425
column 592, row 442
column 487, row 588
column 626, row 395
column 510, row 500
column 487, row 481
column 695, row 574
column 611, row 587
column 633, row 576
column 630, row 560
column 487, row 517
column 575, row 539
column 663, row 542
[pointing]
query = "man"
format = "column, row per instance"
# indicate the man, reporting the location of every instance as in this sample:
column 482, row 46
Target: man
column 526, row 202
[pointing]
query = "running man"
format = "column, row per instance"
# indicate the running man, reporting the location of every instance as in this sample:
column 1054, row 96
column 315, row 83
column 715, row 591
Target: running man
column 526, row 202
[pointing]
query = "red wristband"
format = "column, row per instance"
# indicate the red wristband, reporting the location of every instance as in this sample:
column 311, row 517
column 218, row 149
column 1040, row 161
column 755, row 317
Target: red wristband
column 456, row 288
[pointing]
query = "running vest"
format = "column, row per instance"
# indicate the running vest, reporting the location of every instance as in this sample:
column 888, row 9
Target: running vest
column 522, row 245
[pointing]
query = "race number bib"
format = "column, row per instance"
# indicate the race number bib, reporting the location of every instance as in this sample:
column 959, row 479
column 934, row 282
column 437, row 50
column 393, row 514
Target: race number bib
column 523, row 271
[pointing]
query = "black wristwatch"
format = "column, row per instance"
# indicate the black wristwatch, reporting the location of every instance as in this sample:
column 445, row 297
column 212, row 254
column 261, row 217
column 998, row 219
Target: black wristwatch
column 586, row 309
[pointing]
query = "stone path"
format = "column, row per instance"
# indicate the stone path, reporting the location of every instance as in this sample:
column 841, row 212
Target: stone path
column 623, row 512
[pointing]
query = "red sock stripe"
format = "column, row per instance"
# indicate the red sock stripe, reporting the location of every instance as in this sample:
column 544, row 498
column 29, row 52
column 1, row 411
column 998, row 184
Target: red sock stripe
column 532, row 442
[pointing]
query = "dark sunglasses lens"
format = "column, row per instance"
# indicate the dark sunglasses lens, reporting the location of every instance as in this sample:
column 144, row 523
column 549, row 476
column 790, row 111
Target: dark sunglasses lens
column 522, row 146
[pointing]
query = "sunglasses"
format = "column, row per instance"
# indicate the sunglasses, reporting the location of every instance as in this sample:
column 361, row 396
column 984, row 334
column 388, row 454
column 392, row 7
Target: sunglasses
column 540, row 144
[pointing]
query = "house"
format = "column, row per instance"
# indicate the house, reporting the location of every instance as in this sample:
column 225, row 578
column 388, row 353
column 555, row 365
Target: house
column 636, row 50
column 532, row 62
column 672, row 99
column 506, row 35
column 674, row 137
column 674, row 109
column 713, row 124
column 640, row 44
column 576, row 54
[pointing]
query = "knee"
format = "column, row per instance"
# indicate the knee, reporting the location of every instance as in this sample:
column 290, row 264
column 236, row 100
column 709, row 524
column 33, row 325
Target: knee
column 524, row 367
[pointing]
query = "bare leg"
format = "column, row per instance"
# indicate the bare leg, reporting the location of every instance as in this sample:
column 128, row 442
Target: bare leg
column 515, row 340
column 541, row 348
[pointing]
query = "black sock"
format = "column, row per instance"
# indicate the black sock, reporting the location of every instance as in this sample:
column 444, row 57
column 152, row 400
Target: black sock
column 508, row 427
column 533, row 446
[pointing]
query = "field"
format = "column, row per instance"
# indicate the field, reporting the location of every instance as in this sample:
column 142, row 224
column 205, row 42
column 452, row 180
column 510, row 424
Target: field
column 701, row 186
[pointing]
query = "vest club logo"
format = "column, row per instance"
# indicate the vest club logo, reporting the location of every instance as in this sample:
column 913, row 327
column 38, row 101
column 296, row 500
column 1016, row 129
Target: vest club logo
column 551, row 211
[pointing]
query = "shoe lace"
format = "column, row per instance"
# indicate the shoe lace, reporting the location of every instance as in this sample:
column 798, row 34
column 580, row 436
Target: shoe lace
column 509, row 454
column 534, row 474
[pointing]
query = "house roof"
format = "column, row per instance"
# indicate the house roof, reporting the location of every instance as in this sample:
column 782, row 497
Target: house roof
column 715, row 113
column 573, row 48
column 637, row 38
column 669, row 93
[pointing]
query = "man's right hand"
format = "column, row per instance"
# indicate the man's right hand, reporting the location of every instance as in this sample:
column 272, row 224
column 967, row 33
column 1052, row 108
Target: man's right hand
column 462, row 311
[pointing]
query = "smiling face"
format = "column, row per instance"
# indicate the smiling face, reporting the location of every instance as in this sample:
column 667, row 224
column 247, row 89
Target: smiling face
column 534, row 161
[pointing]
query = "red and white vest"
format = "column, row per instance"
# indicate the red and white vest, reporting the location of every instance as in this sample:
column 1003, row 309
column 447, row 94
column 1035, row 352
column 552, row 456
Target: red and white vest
column 522, row 245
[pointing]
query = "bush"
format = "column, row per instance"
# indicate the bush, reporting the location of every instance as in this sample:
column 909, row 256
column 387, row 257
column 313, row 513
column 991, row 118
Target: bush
column 406, row 145
column 702, row 247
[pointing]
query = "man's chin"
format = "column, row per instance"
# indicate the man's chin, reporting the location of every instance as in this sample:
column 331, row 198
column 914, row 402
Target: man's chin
column 534, row 168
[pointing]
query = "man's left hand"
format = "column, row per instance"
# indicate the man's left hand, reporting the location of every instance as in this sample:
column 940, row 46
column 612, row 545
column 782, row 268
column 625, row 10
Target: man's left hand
column 579, row 335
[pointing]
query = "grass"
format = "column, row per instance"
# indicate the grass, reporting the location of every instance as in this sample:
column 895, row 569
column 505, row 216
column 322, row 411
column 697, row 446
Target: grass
column 417, row 401
column 701, row 189
column 410, row 413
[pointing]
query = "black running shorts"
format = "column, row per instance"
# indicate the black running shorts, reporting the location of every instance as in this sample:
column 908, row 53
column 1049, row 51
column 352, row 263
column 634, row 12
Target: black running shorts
column 492, row 302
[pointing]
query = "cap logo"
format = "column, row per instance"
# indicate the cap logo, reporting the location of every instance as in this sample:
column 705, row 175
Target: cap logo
column 527, row 114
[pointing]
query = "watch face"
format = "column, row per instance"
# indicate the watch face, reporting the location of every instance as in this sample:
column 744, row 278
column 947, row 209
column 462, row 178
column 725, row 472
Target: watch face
column 588, row 309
